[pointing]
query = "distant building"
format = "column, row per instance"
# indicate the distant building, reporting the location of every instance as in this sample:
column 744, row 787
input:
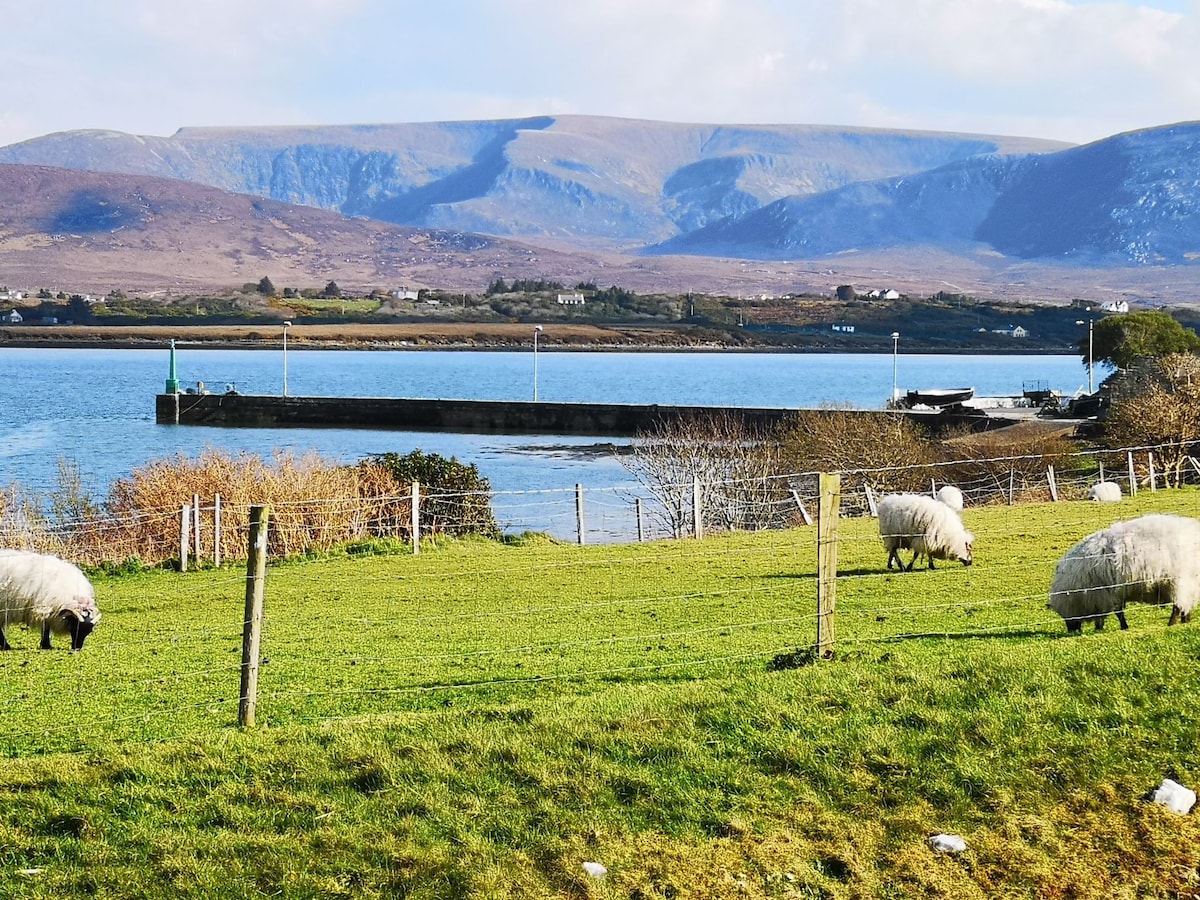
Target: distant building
column 575, row 299
column 405, row 294
column 1115, row 306
column 1016, row 331
column 849, row 329
column 13, row 317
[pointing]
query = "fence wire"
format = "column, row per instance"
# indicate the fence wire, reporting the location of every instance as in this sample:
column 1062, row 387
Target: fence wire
column 502, row 622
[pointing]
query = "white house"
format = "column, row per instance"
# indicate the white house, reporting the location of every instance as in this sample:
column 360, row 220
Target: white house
column 1116, row 306
column 404, row 294
column 1016, row 331
column 575, row 299
column 13, row 317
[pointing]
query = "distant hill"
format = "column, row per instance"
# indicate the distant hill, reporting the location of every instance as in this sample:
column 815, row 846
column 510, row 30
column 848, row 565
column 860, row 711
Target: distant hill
column 587, row 181
column 652, row 206
column 1127, row 200
column 100, row 231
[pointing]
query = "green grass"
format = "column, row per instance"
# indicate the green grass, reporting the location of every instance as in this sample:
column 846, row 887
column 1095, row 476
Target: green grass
column 478, row 720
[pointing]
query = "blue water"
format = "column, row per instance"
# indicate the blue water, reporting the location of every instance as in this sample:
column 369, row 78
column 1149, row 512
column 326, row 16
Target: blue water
column 96, row 407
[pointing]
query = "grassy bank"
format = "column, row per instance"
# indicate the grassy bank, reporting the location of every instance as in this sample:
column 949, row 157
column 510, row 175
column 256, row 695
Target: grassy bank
column 479, row 720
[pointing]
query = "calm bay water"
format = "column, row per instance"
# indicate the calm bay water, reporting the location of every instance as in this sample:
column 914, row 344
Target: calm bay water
column 96, row 407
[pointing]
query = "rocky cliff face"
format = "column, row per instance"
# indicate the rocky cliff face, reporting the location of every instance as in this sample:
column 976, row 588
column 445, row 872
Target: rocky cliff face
column 1128, row 200
column 592, row 181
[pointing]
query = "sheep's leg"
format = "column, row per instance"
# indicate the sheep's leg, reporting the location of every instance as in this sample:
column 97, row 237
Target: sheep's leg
column 1100, row 622
column 1121, row 619
column 45, row 645
column 911, row 562
column 931, row 560
column 1074, row 626
column 1176, row 616
column 895, row 554
column 4, row 645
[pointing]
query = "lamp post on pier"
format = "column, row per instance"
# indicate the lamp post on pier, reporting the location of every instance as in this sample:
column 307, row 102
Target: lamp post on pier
column 286, row 326
column 895, row 354
column 1091, row 358
column 537, row 329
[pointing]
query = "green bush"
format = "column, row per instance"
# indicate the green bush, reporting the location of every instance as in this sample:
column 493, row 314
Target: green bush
column 455, row 498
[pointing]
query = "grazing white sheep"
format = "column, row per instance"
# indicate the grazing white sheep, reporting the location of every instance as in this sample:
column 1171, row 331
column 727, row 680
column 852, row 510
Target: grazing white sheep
column 1151, row 559
column 925, row 526
column 42, row 591
column 951, row 496
column 1105, row 492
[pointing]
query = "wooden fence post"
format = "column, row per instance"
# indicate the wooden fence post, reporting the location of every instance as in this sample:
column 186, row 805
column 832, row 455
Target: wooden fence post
column 1012, row 477
column 256, row 572
column 580, row 528
column 697, row 514
column 185, row 519
column 217, row 530
column 1101, row 470
column 800, row 505
column 1132, row 476
column 827, row 549
column 1053, row 484
column 1150, row 462
column 637, row 509
column 416, row 518
column 871, row 501
column 196, row 527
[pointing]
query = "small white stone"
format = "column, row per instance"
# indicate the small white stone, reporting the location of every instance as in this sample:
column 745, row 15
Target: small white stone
column 948, row 843
column 595, row 869
column 1175, row 797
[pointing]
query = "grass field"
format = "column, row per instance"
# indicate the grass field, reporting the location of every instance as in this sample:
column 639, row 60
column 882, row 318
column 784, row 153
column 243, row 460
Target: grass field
column 479, row 720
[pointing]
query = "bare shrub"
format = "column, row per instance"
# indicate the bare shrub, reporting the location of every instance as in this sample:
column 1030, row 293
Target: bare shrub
column 1161, row 409
column 315, row 502
column 858, row 443
column 735, row 466
column 999, row 468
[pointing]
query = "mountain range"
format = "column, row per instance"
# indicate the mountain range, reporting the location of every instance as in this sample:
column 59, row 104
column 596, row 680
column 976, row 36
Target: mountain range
column 652, row 205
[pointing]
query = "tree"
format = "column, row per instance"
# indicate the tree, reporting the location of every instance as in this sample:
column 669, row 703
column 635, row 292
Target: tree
column 846, row 292
column 266, row 287
column 1119, row 340
column 331, row 291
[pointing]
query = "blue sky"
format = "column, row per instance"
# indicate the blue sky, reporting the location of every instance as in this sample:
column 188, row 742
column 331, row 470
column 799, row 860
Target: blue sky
column 1074, row 70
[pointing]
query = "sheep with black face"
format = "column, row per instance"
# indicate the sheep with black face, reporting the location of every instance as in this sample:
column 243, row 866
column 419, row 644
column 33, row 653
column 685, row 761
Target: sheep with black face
column 38, row 590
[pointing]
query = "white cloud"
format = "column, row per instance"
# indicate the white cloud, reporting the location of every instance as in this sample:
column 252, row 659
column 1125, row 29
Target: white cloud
column 1073, row 70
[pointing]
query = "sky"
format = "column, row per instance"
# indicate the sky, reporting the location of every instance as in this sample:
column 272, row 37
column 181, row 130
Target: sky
column 1071, row 70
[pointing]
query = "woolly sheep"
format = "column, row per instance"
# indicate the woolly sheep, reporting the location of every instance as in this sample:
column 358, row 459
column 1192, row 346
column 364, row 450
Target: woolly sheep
column 951, row 496
column 1151, row 559
column 1105, row 492
column 39, row 590
column 926, row 526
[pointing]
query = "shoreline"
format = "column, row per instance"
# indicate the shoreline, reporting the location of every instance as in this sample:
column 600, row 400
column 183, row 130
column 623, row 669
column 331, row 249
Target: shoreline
column 469, row 337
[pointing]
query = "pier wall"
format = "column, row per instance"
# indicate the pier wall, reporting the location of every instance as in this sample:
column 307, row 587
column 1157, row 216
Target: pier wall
column 471, row 416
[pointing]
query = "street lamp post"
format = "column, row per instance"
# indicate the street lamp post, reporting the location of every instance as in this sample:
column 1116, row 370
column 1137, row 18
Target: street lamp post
column 895, row 353
column 537, row 329
column 286, row 326
column 1091, row 358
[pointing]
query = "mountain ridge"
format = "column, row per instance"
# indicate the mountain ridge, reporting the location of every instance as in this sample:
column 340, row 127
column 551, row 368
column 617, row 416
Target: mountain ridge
column 650, row 205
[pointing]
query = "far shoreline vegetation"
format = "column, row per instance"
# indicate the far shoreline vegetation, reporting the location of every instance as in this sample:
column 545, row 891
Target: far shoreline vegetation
column 582, row 317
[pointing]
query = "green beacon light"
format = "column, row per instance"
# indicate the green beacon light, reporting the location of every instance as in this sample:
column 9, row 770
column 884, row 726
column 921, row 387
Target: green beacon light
column 172, row 377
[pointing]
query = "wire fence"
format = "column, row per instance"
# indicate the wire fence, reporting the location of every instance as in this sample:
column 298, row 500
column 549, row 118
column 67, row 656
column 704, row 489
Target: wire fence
column 496, row 623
